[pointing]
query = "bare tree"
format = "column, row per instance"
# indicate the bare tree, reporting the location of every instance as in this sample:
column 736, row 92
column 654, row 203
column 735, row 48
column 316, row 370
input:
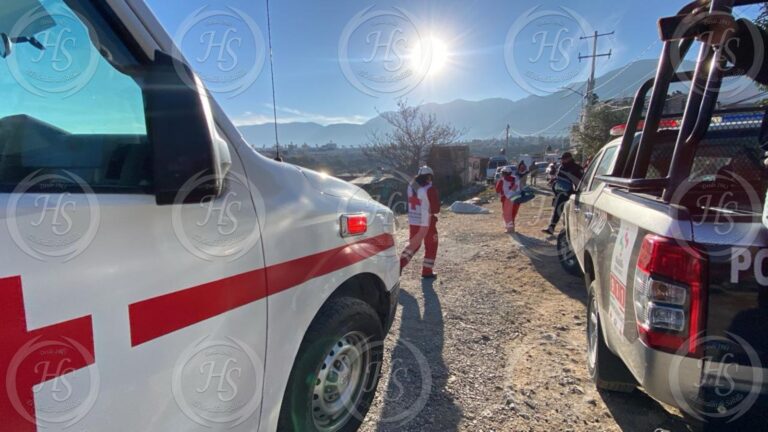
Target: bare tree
column 411, row 137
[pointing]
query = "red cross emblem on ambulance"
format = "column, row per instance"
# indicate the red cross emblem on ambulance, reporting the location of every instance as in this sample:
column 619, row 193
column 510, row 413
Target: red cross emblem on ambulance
column 41, row 357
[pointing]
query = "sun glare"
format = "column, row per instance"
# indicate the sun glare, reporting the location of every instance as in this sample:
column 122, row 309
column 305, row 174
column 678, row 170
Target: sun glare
column 432, row 58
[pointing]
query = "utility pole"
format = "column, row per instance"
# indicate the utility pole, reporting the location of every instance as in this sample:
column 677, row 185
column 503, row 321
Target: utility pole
column 506, row 147
column 591, row 84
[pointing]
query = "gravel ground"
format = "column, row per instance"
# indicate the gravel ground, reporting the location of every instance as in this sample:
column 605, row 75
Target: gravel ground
column 498, row 342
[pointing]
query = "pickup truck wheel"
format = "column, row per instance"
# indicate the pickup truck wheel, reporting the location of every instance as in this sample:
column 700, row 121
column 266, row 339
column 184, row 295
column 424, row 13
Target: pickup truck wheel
column 337, row 369
column 607, row 370
column 566, row 256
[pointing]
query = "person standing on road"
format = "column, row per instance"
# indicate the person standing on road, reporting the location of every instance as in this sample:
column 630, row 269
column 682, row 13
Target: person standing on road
column 423, row 207
column 551, row 172
column 522, row 173
column 508, row 187
column 564, row 185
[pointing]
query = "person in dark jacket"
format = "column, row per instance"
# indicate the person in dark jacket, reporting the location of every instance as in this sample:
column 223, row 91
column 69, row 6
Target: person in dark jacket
column 564, row 185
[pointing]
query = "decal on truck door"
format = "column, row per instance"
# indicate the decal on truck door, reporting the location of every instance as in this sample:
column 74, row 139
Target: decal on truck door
column 620, row 264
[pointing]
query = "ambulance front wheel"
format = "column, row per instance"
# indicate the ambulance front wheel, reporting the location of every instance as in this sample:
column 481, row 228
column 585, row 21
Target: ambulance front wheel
column 337, row 370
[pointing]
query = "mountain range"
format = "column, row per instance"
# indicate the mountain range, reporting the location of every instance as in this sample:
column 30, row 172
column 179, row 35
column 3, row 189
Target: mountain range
column 548, row 115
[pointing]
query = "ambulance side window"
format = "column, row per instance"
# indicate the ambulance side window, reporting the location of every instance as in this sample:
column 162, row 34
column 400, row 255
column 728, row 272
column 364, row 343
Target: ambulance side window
column 69, row 116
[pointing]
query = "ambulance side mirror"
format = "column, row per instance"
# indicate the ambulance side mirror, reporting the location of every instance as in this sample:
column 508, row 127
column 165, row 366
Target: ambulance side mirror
column 190, row 159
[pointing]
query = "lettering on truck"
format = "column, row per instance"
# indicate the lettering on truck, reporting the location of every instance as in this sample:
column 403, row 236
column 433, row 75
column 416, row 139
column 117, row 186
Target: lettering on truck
column 748, row 260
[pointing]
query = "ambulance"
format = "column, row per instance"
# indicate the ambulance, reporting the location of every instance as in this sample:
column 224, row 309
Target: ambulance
column 157, row 273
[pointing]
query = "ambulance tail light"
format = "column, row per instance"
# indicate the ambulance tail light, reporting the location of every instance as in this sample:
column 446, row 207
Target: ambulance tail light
column 669, row 298
column 354, row 225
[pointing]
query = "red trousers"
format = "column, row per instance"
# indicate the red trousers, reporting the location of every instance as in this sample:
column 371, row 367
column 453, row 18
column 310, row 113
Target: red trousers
column 509, row 212
column 419, row 235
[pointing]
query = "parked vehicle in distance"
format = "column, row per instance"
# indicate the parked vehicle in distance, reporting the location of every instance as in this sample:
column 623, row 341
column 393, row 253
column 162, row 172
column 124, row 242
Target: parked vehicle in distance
column 540, row 167
column 666, row 228
column 494, row 164
column 156, row 272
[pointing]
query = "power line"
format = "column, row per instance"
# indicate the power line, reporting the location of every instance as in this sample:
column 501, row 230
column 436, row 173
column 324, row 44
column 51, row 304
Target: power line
column 272, row 74
column 754, row 96
column 625, row 68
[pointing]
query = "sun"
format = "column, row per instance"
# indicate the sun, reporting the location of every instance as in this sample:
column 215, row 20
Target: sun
column 440, row 55
column 431, row 56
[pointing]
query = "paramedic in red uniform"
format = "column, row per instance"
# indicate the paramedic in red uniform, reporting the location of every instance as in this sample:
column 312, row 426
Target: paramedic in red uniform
column 507, row 187
column 423, row 207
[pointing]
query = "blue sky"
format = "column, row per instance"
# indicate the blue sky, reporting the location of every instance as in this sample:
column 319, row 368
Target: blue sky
column 471, row 37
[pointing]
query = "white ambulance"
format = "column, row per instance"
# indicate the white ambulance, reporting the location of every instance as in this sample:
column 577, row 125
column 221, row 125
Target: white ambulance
column 156, row 273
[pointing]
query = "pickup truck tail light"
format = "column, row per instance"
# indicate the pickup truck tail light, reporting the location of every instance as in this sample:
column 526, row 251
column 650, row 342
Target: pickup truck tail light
column 669, row 297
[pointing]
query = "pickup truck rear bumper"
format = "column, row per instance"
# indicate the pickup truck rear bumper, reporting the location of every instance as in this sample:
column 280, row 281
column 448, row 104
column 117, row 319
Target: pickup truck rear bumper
column 702, row 388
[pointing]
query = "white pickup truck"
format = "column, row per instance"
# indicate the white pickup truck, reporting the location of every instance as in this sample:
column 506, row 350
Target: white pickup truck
column 157, row 273
column 666, row 229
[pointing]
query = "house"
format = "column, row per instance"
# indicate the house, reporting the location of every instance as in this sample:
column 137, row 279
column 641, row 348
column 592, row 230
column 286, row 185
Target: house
column 451, row 166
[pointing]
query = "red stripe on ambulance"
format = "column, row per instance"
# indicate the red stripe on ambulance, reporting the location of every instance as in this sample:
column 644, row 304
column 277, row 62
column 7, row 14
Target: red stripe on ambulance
column 159, row 316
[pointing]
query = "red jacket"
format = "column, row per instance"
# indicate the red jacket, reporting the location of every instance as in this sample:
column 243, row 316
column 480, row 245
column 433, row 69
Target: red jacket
column 500, row 186
column 434, row 200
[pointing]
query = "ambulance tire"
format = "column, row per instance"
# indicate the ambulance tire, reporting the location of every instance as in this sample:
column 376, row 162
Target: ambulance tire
column 606, row 369
column 338, row 322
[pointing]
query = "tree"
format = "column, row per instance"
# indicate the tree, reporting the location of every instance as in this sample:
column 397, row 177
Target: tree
column 596, row 130
column 762, row 16
column 411, row 137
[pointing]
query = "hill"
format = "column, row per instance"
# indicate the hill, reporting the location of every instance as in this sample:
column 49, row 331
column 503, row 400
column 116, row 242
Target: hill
column 533, row 115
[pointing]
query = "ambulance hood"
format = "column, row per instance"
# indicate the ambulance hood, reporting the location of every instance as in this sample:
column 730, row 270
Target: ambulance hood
column 332, row 186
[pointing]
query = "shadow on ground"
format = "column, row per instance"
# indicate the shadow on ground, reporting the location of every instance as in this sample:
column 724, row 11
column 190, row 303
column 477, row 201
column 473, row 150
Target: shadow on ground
column 543, row 256
column 637, row 408
column 415, row 397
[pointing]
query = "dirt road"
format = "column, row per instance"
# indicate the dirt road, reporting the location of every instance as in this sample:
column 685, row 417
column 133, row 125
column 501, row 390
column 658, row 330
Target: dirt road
column 498, row 342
